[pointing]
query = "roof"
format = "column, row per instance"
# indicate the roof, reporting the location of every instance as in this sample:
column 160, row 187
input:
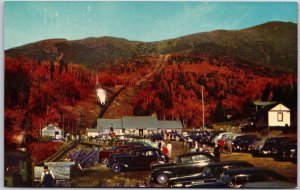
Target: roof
column 169, row 124
column 107, row 123
column 194, row 153
column 229, row 162
column 142, row 148
column 139, row 122
column 262, row 103
column 52, row 126
column 279, row 107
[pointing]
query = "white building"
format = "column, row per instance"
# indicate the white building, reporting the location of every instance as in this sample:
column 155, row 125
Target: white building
column 134, row 125
column 52, row 130
column 279, row 116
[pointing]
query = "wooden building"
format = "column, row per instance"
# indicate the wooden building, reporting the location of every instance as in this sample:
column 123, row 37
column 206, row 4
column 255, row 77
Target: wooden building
column 134, row 125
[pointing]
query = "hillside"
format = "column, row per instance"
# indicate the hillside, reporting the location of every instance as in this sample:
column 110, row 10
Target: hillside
column 272, row 44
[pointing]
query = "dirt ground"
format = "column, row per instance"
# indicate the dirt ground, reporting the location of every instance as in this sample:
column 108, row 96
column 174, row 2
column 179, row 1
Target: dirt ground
column 100, row 176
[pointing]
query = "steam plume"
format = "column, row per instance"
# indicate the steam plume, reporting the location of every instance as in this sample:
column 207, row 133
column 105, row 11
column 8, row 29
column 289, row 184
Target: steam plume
column 101, row 93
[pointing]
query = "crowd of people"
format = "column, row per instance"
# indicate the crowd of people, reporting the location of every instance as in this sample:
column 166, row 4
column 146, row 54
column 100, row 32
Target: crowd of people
column 217, row 150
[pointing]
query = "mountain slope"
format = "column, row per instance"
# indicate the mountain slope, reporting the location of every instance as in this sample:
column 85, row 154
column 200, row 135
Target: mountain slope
column 271, row 44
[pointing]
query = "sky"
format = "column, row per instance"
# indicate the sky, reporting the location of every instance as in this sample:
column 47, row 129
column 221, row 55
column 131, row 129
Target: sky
column 26, row 22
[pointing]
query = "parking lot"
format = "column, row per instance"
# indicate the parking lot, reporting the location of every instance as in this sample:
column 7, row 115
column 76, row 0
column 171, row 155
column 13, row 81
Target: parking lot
column 101, row 176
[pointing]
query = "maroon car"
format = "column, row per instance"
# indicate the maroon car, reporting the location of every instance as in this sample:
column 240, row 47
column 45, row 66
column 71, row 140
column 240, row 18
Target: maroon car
column 105, row 154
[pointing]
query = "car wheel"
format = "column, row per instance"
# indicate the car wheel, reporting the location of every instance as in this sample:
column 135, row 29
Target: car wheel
column 104, row 160
column 116, row 167
column 162, row 179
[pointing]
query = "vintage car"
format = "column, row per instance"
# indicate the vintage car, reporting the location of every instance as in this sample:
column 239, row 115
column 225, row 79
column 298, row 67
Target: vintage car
column 185, row 164
column 286, row 151
column 236, row 178
column 136, row 158
column 105, row 154
column 211, row 172
column 144, row 140
column 241, row 143
column 269, row 146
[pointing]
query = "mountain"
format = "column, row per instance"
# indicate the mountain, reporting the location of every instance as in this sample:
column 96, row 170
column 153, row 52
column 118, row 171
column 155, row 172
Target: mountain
column 273, row 44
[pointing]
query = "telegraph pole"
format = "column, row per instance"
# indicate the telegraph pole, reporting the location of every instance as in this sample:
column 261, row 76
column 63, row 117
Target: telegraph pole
column 203, row 122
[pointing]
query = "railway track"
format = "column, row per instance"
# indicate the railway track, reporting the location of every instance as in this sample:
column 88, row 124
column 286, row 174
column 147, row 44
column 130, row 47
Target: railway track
column 57, row 156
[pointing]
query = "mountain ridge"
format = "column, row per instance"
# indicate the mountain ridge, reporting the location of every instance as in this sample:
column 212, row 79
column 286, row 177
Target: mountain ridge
column 270, row 44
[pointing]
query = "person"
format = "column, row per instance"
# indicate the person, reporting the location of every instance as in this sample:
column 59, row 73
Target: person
column 162, row 144
column 217, row 152
column 196, row 146
column 190, row 142
column 229, row 146
column 204, row 148
column 169, row 146
column 165, row 150
column 221, row 144
column 159, row 145
column 201, row 148
column 47, row 177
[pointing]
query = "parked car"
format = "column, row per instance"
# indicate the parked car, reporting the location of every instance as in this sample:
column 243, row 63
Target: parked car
column 269, row 146
column 256, row 145
column 286, row 151
column 105, row 154
column 241, row 143
column 236, row 178
column 224, row 135
column 211, row 172
column 185, row 164
column 147, row 141
column 136, row 158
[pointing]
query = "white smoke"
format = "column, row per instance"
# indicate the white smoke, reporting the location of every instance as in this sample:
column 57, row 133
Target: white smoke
column 101, row 93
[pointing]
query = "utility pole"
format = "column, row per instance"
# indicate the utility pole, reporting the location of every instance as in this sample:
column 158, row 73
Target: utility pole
column 203, row 122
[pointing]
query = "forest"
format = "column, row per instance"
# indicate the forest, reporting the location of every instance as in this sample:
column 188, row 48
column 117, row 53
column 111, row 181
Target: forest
column 229, row 88
column 38, row 92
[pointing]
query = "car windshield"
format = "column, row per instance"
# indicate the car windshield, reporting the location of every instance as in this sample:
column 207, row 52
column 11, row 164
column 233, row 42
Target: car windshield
column 224, row 178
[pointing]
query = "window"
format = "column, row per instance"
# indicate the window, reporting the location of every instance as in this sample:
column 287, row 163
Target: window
column 199, row 158
column 187, row 159
column 279, row 116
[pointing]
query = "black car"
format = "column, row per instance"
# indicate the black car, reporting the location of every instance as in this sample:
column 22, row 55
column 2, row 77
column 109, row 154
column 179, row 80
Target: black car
column 286, row 151
column 238, row 177
column 241, row 143
column 185, row 164
column 271, row 146
column 137, row 158
column 211, row 173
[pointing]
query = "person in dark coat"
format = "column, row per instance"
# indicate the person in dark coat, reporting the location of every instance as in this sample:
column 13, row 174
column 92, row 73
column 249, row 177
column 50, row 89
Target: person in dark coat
column 47, row 178
column 217, row 152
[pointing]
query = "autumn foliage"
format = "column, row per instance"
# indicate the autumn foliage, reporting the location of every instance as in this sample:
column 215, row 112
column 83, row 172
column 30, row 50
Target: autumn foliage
column 229, row 87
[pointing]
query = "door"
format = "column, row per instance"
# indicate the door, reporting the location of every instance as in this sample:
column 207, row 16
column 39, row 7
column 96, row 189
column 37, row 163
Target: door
column 56, row 135
column 141, row 132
